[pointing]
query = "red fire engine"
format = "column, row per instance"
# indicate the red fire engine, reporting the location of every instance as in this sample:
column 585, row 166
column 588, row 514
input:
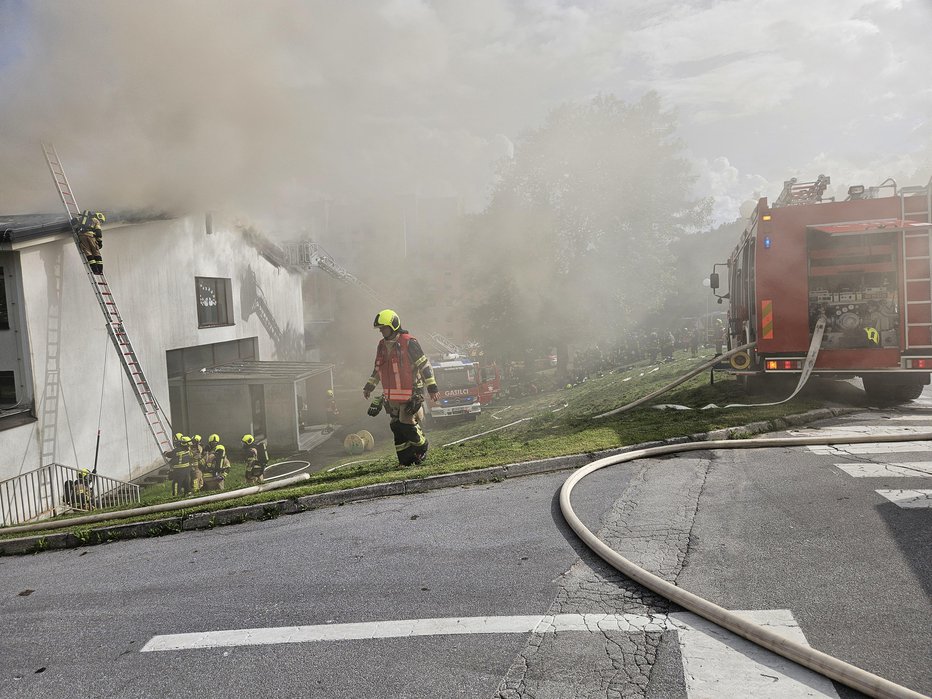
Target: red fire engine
column 863, row 263
column 465, row 386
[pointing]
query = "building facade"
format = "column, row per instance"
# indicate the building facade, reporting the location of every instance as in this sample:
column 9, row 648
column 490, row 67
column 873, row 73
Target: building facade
column 194, row 293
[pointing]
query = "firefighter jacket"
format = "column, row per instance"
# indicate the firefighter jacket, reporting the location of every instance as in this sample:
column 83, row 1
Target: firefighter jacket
column 90, row 226
column 402, row 368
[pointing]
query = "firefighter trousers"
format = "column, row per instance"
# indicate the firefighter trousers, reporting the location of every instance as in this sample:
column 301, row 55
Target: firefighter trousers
column 91, row 251
column 410, row 440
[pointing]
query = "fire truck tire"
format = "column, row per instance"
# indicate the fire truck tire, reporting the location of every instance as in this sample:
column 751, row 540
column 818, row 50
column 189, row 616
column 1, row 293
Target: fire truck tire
column 884, row 390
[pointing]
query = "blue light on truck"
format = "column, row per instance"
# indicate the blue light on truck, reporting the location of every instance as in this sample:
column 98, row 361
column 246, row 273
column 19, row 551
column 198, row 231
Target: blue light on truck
column 766, row 242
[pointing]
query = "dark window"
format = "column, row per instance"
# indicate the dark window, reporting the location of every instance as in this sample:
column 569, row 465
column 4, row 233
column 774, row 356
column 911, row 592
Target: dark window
column 7, row 388
column 214, row 302
column 4, row 313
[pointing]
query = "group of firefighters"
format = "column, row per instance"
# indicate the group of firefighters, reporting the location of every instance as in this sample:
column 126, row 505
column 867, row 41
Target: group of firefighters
column 195, row 466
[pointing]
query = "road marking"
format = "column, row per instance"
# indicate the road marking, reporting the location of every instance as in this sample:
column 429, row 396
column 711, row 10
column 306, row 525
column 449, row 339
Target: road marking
column 541, row 623
column 858, row 430
column 908, row 498
column 907, row 469
column 870, row 448
column 717, row 663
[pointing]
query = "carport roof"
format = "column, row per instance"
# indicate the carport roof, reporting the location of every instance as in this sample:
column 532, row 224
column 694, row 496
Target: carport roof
column 260, row 372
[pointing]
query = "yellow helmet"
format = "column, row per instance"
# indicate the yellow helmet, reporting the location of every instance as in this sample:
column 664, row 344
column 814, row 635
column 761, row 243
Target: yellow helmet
column 84, row 473
column 389, row 319
column 179, row 436
column 196, row 438
column 100, row 216
column 220, row 447
column 330, row 392
column 248, row 439
column 185, row 440
column 213, row 439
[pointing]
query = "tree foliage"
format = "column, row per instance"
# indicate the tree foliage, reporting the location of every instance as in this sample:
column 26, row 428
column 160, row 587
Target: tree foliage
column 577, row 232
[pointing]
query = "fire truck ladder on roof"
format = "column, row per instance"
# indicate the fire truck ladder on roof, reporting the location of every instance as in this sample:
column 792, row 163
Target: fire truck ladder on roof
column 155, row 417
column 795, row 193
column 917, row 268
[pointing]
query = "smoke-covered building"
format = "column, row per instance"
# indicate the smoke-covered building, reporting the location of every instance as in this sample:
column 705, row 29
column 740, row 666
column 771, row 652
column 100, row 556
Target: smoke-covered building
column 213, row 312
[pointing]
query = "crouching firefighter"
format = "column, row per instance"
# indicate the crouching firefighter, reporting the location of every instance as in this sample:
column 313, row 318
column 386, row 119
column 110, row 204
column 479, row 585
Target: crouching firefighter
column 403, row 370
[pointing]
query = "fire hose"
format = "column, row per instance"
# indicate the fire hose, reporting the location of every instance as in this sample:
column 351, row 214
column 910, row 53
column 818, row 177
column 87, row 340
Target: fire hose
column 827, row 665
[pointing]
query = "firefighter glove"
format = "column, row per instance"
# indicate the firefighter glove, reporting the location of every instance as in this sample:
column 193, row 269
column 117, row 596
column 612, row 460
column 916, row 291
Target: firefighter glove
column 433, row 391
column 375, row 407
column 367, row 390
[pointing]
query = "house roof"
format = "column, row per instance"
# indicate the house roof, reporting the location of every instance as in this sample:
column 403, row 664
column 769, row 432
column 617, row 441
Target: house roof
column 30, row 226
column 260, row 371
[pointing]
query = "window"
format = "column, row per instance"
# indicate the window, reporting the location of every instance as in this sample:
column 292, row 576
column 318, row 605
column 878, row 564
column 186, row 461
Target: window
column 214, row 302
column 7, row 389
column 4, row 313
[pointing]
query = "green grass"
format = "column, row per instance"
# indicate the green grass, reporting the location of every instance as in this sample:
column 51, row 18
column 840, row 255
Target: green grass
column 561, row 423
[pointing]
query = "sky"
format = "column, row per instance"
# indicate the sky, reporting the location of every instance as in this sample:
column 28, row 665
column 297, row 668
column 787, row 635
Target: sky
column 278, row 104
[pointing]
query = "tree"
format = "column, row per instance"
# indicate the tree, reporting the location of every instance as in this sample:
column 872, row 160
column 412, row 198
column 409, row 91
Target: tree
column 582, row 216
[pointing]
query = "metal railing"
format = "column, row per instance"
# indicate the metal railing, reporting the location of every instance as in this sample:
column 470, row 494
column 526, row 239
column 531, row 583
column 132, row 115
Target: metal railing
column 56, row 489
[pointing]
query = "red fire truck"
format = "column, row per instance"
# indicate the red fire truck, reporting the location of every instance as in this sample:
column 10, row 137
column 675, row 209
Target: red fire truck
column 465, row 386
column 863, row 263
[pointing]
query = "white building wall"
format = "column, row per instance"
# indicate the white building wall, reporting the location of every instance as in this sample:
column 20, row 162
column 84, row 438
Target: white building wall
column 151, row 269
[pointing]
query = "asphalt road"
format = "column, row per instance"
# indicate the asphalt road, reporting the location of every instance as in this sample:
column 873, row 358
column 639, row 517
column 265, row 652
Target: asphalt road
column 772, row 529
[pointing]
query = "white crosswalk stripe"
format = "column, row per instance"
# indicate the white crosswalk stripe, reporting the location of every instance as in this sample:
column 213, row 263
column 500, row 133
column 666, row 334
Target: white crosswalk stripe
column 906, row 469
column 908, row 498
column 905, row 498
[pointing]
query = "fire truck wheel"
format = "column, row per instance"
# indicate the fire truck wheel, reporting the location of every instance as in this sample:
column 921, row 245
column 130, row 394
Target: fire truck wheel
column 884, row 390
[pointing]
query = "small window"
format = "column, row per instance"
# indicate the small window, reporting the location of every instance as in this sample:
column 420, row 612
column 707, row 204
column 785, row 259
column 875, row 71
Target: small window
column 4, row 313
column 7, row 389
column 214, row 302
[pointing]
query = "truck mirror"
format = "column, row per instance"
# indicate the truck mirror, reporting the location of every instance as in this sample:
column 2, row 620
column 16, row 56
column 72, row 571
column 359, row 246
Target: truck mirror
column 713, row 280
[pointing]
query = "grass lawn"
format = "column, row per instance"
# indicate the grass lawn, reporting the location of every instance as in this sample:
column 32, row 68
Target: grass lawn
column 552, row 423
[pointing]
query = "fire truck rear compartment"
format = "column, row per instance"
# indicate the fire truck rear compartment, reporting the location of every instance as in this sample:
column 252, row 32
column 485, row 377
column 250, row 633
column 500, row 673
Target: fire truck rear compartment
column 853, row 282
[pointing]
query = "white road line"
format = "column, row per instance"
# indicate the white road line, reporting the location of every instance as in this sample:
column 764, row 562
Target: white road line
column 908, row 498
column 717, row 663
column 906, row 469
column 409, row 627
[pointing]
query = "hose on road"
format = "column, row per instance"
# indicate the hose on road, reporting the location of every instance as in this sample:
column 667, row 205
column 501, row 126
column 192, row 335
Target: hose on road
column 833, row 668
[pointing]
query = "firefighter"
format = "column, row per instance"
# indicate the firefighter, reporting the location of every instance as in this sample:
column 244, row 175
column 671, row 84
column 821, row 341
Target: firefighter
column 403, row 370
column 254, row 466
column 180, row 473
column 198, row 460
column 216, row 466
column 90, row 238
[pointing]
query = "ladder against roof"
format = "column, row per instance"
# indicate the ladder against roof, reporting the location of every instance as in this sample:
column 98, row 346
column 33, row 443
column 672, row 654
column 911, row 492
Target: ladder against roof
column 155, row 418
column 916, row 206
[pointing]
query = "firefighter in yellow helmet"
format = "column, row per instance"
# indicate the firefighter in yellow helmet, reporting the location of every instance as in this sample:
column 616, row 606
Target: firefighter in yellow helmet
column 90, row 238
column 251, row 456
column 403, row 370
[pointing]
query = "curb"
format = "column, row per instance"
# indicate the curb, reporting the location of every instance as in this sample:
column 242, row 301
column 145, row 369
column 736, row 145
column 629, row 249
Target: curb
column 277, row 508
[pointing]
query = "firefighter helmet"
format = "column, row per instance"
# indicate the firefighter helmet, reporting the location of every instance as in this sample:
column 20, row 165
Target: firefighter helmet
column 330, row 393
column 185, row 440
column 389, row 319
column 84, row 473
column 248, row 439
column 179, row 436
column 196, row 438
column 99, row 215
column 213, row 439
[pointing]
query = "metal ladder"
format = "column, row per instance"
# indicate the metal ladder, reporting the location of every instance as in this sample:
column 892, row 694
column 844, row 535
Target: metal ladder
column 155, row 417
column 917, row 268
